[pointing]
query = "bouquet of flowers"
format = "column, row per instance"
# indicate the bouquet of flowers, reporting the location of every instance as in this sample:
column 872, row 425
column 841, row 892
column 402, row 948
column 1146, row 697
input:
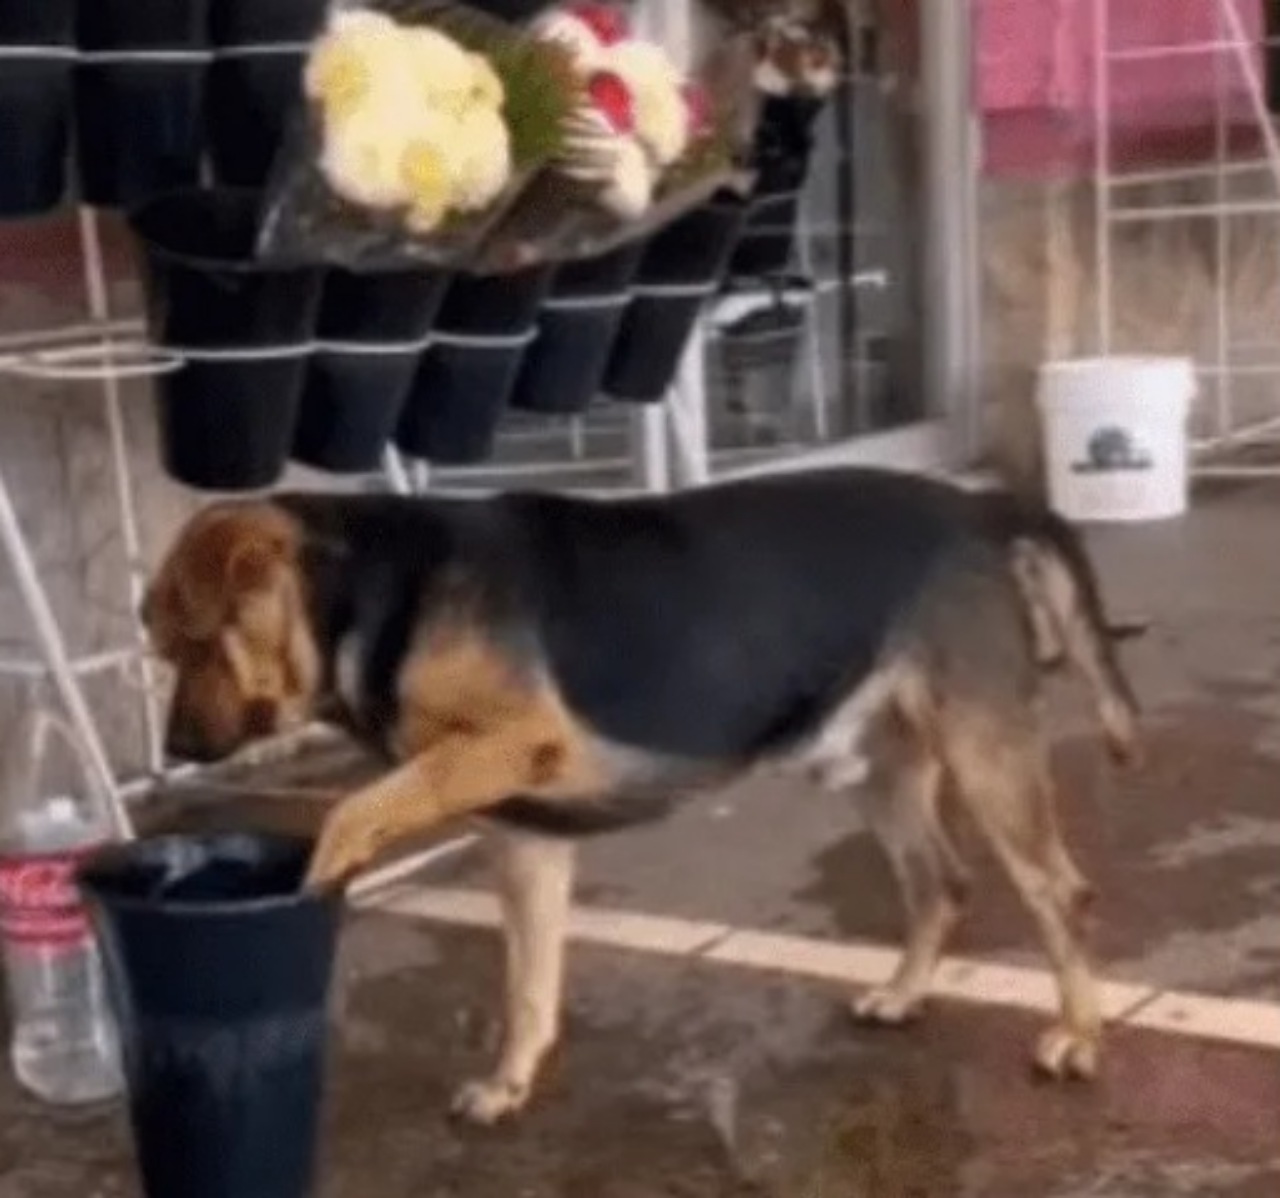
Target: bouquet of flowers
column 423, row 122
column 643, row 143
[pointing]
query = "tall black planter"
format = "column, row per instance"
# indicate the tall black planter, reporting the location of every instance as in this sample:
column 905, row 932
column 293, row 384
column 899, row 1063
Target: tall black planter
column 139, row 126
column 206, row 289
column 466, row 375
column 228, row 415
column 377, row 307
column 563, row 368
column 35, row 109
column 681, row 266
column 141, row 24
column 351, row 403
column 252, row 96
column 781, row 156
column 228, row 419
column 47, row 23
column 219, row 968
column 265, row 22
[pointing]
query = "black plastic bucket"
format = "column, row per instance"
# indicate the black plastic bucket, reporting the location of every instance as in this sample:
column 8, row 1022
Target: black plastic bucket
column 35, row 121
column 219, row 967
column 252, row 96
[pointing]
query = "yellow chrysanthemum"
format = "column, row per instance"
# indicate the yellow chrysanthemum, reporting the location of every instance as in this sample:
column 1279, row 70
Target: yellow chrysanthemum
column 350, row 60
column 362, row 157
column 429, row 182
column 482, row 165
column 443, row 72
column 486, row 88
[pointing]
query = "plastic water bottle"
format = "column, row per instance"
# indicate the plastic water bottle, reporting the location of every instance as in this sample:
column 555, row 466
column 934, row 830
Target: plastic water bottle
column 64, row 1046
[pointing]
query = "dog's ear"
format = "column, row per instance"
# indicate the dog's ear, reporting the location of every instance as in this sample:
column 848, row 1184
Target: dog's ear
column 228, row 554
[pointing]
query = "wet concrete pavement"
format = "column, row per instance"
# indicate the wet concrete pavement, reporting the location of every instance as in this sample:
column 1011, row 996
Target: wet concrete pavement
column 684, row 1077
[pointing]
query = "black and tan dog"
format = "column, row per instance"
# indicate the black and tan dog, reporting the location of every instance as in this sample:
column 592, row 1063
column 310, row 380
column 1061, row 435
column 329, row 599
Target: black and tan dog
column 565, row 666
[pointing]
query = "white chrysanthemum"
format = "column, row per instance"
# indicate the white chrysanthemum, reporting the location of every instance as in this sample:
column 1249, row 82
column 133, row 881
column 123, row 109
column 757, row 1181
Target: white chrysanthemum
column 482, row 165
column 363, row 156
column 662, row 118
column 359, row 52
column 574, row 35
column 630, row 189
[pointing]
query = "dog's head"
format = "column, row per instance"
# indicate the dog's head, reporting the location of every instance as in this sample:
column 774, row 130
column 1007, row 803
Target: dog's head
column 227, row 612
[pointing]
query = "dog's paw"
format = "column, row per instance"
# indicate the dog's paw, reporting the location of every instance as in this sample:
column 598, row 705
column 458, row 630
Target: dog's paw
column 887, row 1006
column 487, row 1100
column 1064, row 1052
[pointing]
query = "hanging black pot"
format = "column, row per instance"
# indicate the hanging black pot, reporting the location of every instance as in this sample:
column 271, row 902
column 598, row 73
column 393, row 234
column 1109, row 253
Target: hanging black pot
column 253, row 93
column 228, row 418
column 139, row 125
column 576, row 327
column 206, row 289
column 37, row 23
column 467, row 373
column 681, row 267
column 141, row 24
column 379, row 307
column 459, row 395
column 768, row 237
column 35, row 110
column 265, row 22
column 351, row 402
column 219, row 966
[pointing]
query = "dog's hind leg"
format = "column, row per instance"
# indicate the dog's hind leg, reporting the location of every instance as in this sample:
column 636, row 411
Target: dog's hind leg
column 535, row 884
column 1001, row 775
column 901, row 802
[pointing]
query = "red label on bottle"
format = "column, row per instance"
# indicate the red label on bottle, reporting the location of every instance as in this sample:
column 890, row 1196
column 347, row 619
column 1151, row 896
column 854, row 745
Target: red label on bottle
column 40, row 904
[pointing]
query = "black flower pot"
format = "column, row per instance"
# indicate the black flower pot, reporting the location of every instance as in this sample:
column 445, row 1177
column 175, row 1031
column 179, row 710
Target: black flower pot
column 459, row 395
column 227, row 420
column 35, row 110
column 576, row 327
column 252, row 95
column 139, row 126
column 206, row 290
column 466, row 375
column 351, row 402
column 37, row 23
column 380, row 306
column 681, row 266
column 219, row 966
column 141, row 24
column 263, row 22
column 768, row 237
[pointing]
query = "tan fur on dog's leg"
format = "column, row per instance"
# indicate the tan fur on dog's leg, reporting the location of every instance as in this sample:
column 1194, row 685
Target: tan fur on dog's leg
column 1005, row 783
column 458, row 774
column 535, row 884
column 901, row 802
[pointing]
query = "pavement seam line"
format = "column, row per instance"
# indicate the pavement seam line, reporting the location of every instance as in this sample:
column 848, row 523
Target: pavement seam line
column 965, row 980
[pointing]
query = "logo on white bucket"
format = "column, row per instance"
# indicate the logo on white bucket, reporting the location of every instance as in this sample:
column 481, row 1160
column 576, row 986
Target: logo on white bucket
column 1111, row 449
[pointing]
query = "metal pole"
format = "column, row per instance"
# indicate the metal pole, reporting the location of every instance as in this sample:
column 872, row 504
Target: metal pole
column 952, row 294
column 54, row 650
column 99, row 310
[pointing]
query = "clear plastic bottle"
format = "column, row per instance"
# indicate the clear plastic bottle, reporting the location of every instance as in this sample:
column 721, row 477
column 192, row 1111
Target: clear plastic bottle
column 64, row 1047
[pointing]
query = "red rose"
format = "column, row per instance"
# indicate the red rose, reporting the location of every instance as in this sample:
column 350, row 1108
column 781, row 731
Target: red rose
column 698, row 105
column 612, row 98
column 607, row 23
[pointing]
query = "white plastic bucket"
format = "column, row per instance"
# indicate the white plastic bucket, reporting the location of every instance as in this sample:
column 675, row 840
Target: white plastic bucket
column 1115, row 436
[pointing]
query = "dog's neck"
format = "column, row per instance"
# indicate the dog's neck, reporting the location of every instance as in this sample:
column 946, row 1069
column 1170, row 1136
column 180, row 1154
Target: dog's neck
column 362, row 599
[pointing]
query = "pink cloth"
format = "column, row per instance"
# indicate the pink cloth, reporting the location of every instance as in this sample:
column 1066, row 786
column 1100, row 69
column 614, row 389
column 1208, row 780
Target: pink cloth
column 1036, row 70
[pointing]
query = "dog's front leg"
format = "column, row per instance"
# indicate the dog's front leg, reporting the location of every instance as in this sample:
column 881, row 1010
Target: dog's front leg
column 458, row 774
column 535, row 885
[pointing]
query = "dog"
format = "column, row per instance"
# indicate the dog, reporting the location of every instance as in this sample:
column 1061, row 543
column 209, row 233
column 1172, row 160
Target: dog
column 568, row 666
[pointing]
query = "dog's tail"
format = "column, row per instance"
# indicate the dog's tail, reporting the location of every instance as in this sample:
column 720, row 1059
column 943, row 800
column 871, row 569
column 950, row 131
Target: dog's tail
column 1060, row 586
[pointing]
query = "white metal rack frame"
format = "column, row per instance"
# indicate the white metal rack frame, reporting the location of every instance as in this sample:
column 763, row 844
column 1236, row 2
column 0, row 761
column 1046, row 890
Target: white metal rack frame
column 1234, row 52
